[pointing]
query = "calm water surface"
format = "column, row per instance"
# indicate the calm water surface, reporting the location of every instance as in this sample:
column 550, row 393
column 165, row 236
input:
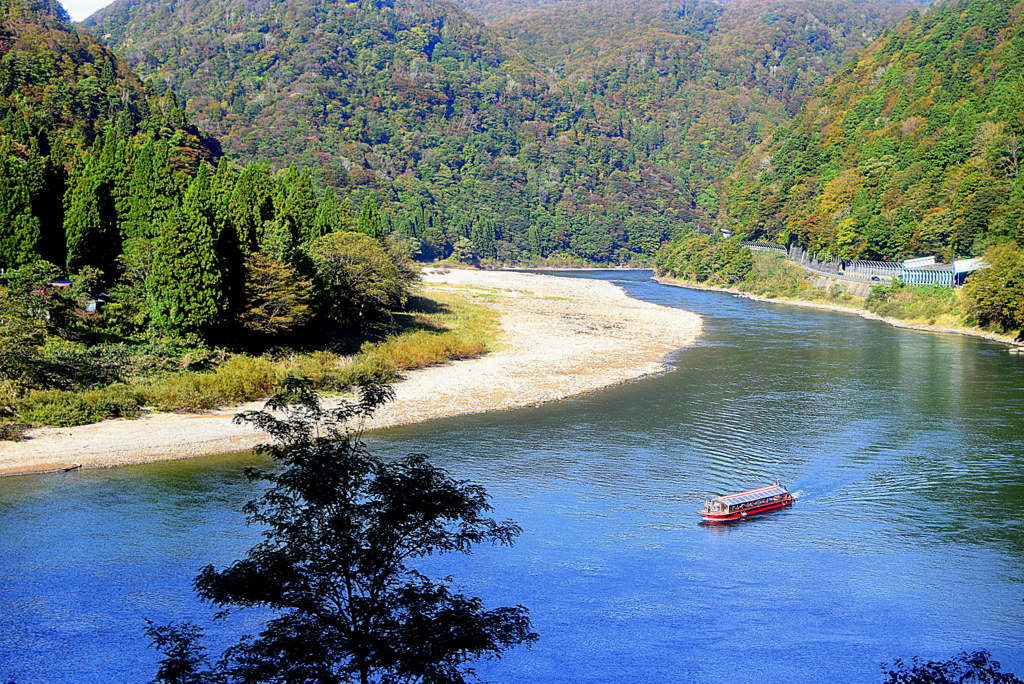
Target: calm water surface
column 905, row 450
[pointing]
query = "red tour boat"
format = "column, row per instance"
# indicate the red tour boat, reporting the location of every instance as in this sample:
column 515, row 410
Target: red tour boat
column 736, row 506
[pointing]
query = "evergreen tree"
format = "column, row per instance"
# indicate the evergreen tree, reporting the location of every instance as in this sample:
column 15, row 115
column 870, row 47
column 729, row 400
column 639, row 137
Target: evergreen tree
column 90, row 222
column 53, row 183
column 297, row 207
column 185, row 293
column 19, row 228
column 331, row 217
column 482, row 235
column 150, row 192
column 251, row 206
column 370, row 222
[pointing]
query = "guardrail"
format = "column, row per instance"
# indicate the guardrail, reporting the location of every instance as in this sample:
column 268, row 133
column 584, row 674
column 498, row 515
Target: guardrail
column 860, row 271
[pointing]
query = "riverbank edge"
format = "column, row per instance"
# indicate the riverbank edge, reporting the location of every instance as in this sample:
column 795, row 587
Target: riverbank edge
column 644, row 365
column 863, row 313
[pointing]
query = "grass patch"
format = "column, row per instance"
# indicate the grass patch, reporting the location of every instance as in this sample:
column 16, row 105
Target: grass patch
column 436, row 329
column 64, row 408
column 918, row 303
column 239, row 379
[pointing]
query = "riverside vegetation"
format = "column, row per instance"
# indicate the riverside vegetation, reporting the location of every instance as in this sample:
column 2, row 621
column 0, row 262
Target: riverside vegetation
column 69, row 378
column 992, row 299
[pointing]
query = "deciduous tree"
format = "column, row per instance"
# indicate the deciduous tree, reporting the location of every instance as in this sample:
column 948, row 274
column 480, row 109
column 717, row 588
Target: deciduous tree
column 277, row 299
column 977, row 668
column 342, row 529
column 358, row 278
column 995, row 295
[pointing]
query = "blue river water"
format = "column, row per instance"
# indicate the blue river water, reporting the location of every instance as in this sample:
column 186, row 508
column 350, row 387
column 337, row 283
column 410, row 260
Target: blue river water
column 905, row 451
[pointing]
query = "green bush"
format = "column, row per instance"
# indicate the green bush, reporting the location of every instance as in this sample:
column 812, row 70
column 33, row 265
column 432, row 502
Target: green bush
column 323, row 369
column 58, row 408
column 69, row 408
column 365, row 370
column 115, row 401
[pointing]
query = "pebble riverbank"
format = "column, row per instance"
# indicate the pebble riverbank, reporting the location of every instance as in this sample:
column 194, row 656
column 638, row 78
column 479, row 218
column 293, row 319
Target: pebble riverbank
column 561, row 337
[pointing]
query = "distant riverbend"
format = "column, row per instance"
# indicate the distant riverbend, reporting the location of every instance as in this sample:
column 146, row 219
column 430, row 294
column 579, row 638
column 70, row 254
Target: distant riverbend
column 897, row 322
column 561, row 337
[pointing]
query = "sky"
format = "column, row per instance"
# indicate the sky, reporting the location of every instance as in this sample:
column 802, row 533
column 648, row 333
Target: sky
column 80, row 9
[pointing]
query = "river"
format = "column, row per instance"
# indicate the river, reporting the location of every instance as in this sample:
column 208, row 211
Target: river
column 905, row 451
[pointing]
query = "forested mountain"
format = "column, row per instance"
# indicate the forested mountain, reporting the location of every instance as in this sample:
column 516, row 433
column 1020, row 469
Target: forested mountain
column 59, row 88
column 491, row 11
column 698, row 83
column 914, row 148
column 518, row 146
column 109, row 186
column 414, row 100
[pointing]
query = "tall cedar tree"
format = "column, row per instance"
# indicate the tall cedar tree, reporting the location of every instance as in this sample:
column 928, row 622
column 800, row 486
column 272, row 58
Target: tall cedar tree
column 331, row 217
column 184, row 283
column 251, row 206
column 90, row 222
column 370, row 222
column 342, row 527
column 19, row 228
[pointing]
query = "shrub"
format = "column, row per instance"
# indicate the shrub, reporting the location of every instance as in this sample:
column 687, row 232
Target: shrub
column 9, row 393
column 115, row 401
column 58, row 408
column 367, row 370
column 69, row 408
column 12, row 431
column 321, row 368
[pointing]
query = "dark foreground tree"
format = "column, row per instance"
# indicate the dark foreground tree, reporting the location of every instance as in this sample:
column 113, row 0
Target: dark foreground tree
column 966, row 668
column 343, row 529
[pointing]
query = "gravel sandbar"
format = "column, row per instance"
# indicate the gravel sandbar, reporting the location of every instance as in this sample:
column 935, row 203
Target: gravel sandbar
column 560, row 337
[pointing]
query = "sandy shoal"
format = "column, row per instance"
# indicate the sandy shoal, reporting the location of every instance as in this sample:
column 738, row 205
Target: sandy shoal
column 560, row 337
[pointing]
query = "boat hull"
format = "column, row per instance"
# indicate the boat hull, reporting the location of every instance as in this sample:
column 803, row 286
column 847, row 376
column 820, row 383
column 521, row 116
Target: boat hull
column 723, row 517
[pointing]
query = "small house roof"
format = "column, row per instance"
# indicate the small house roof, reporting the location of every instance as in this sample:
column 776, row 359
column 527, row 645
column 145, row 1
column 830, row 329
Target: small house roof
column 753, row 495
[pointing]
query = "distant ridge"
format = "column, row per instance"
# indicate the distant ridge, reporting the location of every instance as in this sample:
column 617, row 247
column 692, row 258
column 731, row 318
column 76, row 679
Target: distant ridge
column 465, row 134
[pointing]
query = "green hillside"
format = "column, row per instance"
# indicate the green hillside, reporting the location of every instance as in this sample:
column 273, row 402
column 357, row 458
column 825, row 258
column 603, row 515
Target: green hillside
column 698, row 83
column 465, row 134
column 59, row 89
column 913, row 148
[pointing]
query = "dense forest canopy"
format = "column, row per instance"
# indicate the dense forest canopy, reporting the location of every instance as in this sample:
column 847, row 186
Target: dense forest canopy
column 697, row 84
column 913, row 148
column 110, row 185
column 511, row 136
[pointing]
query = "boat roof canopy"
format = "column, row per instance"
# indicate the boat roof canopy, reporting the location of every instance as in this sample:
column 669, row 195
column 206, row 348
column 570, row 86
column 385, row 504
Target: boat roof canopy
column 753, row 495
